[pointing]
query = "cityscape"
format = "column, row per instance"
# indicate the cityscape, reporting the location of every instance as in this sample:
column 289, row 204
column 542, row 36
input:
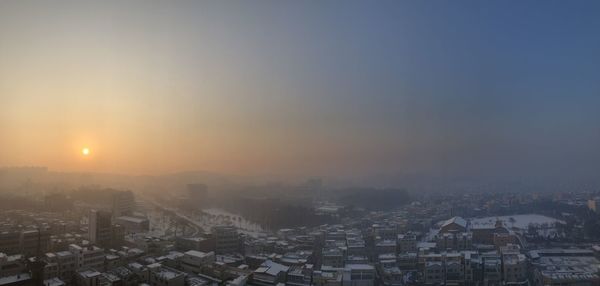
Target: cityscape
column 101, row 236
column 299, row 143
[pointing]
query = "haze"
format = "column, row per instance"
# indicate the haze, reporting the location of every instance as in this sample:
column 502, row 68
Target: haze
column 343, row 89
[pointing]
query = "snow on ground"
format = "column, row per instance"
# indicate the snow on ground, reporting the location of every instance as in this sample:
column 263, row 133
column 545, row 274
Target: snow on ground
column 518, row 221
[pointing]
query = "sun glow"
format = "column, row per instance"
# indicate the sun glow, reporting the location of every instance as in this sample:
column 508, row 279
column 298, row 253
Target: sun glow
column 85, row 151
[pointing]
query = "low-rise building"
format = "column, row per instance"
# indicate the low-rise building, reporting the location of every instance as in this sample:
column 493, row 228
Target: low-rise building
column 564, row 267
column 12, row 264
column 194, row 260
column 165, row 276
column 88, row 257
column 300, row 275
column 359, row 275
column 270, row 273
column 406, row 243
column 88, row 278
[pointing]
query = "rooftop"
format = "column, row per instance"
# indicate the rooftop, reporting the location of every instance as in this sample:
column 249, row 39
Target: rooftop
column 457, row 220
column 196, row 253
column 271, row 268
column 14, row 278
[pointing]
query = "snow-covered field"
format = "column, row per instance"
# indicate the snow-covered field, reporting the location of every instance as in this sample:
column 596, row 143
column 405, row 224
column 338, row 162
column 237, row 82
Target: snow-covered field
column 544, row 225
column 518, row 221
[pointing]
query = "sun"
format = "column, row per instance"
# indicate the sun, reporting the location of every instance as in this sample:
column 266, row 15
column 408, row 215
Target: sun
column 85, row 151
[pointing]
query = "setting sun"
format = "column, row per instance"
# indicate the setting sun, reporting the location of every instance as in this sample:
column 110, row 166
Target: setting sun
column 85, row 151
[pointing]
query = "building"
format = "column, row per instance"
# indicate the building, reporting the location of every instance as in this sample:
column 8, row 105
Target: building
column 133, row 224
column 504, row 239
column 126, row 276
column 445, row 267
column 67, row 265
column 88, row 257
column 123, row 203
column 564, row 267
column 102, row 232
column 193, row 260
column 10, row 242
column 433, row 273
column 60, row 265
column 117, row 235
column 359, row 275
column 270, row 273
column 300, row 275
column 165, row 276
column 492, row 269
column 51, row 266
column 485, row 233
column 385, row 232
column 453, row 225
column 100, row 228
column 356, row 245
column 407, row 261
column 12, row 265
column 514, row 268
column 333, row 257
column 454, row 241
column 406, row 243
column 195, row 243
column 385, row 246
column 388, row 270
column 325, row 278
column 22, row 279
column 227, row 239
column 54, row 282
column 34, row 242
column 88, row 278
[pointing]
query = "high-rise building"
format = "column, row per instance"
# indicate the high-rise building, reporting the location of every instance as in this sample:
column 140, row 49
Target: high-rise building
column 123, row 203
column 100, row 228
column 227, row 239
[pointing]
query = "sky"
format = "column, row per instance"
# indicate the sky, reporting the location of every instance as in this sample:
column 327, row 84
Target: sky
column 303, row 88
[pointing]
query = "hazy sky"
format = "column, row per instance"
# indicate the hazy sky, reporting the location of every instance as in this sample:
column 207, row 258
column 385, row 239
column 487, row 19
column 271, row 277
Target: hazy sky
column 302, row 87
